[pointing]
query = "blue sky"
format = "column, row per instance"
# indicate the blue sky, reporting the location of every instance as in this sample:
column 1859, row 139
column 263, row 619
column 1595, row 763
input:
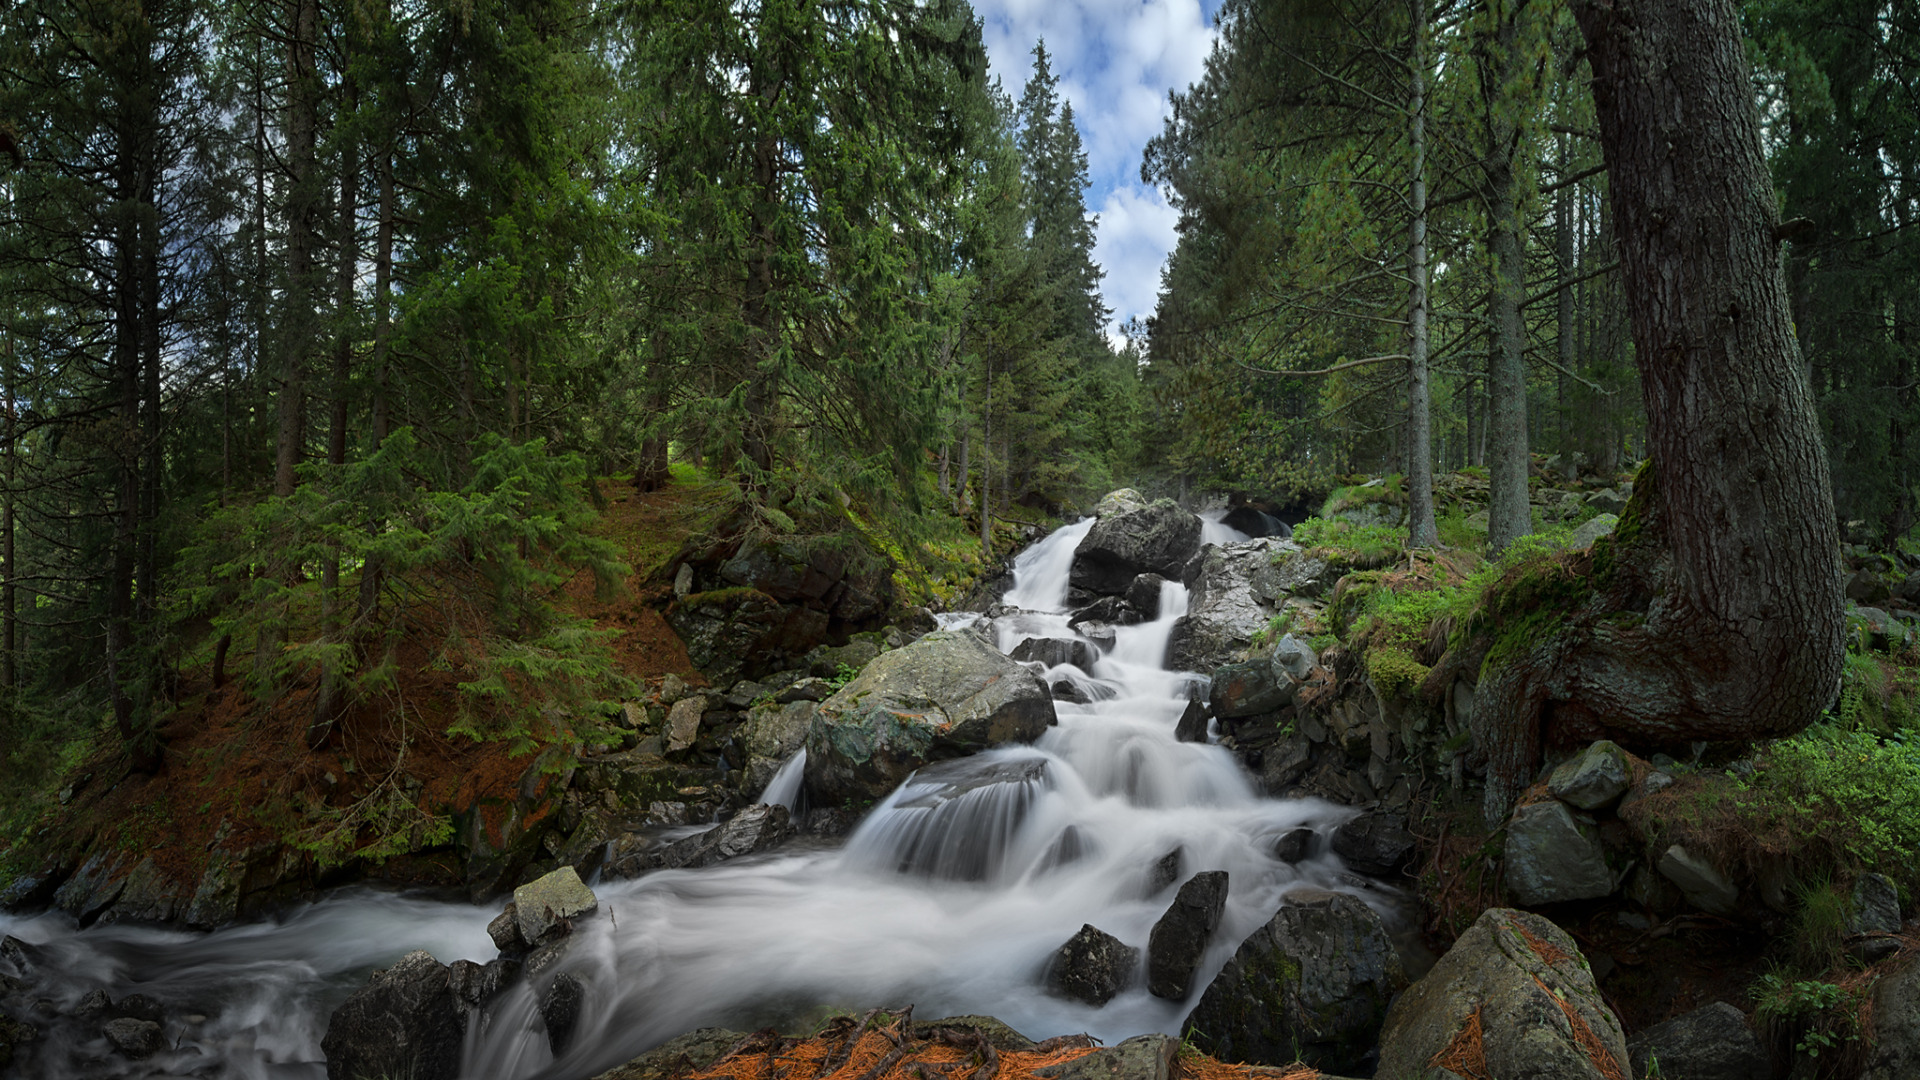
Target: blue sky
column 1116, row 60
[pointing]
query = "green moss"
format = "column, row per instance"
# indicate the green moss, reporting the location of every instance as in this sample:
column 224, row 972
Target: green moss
column 1394, row 673
column 1363, row 547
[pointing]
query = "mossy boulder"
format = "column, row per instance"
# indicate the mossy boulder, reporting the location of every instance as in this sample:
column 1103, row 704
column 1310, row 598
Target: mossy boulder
column 1155, row 539
column 944, row 696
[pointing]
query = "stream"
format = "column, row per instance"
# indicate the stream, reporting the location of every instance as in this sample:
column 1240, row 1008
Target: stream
column 951, row 895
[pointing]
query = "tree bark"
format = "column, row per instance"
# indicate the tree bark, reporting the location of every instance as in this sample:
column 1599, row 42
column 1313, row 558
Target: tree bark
column 1715, row 611
column 1509, row 512
column 1421, row 529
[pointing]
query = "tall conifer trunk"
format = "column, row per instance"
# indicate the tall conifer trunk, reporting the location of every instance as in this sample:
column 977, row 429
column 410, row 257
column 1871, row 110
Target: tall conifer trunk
column 1421, row 529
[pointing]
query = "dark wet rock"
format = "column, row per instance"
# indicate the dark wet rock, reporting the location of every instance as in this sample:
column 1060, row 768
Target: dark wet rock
column 550, row 903
column 1256, row 523
column 1248, row 689
column 473, row 985
column 1699, row 880
column 945, row 842
column 14, row 1036
column 1179, row 939
column 135, row 1038
column 947, row 695
column 1284, row 762
column 1295, row 845
column 773, row 733
column 1876, row 911
column 1107, row 611
column 676, row 1058
column 749, row 832
column 1377, row 843
column 1311, row 984
column 999, row 1035
column 560, row 1011
column 1165, row 871
column 833, row 661
column 94, row 1005
column 93, row 887
column 1192, row 726
column 140, row 1007
column 1067, row 690
column 1709, row 1043
column 1552, row 858
column 497, row 838
column 1523, row 991
column 404, row 1022
column 1593, row 778
column 1143, row 1057
column 1157, row 539
column 1143, row 595
column 1895, row 1054
column 722, row 627
column 1053, row 652
column 149, row 895
column 810, row 689
column 1091, row 967
column 505, row 931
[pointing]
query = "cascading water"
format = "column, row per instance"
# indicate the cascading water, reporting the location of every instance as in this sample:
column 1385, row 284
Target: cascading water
column 951, row 894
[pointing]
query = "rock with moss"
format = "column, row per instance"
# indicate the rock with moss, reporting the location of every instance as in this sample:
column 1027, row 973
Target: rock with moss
column 946, row 695
column 1593, row 778
column 773, row 733
column 1091, row 967
column 1143, row 1057
column 679, row 1057
column 1592, row 529
column 1248, row 689
column 404, row 1022
column 1710, row 1043
column 550, row 903
column 1699, row 880
column 1157, row 539
column 1522, row 981
column 722, row 628
column 1312, row 984
column 1895, row 1051
column 1234, row 594
column 1120, row 501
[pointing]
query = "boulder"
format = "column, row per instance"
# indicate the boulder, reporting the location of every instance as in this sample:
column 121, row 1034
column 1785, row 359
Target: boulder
column 1179, row 939
column 404, row 1022
column 1108, row 611
column 946, row 695
column 1143, row 595
column 1312, row 984
column 135, row 1038
column 773, row 733
column 683, row 723
column 1156, row 539
column 749, row 832
column 1592, row 529
column 1143, row 1057
column 1709, row 1043
column 831, row 661
column 1295, row 845
column 1875, row 912
column 1052, row 652
column 1593, row 778
column 1895, row 1053
column 1376, row 842
column 724, row 628
column 1608, row 501
column 1120, row 501
column 14, row 1036
column 1524, row 982
column 1878, row 629
column 473, row 985
column 560, row 1010
column 1235, row 590
column 1248, row 689
column 676, row 1058
column 1192, row 726
column 1868, row 587
column 549, row 904
column 1091, row 967
column 1294, row 658
column 1551, row 858
column 1704, row 886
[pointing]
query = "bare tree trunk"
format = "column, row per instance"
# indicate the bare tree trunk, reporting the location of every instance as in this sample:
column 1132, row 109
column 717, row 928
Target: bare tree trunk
column 1421, row 529
column 303, row 91
column 1714, row 612
column 1509, row 514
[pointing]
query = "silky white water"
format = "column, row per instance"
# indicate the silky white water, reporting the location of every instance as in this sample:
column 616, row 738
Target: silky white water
column 950, row 895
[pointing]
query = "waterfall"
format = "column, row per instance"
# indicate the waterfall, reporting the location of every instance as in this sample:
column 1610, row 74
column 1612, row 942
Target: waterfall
column 784, row 788
column 950, row 894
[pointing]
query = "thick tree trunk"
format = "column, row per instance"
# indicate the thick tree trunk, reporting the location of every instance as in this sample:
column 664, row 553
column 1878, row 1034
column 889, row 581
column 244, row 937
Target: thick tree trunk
column 1509, row 513
column 1715, row 612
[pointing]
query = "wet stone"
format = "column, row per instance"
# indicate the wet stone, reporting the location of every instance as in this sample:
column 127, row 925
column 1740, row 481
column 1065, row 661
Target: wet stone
column 1091, row 967
column 1295, row 845
column 1179, row 940
column 135, row 1038
column 560, row 1011
column 1166, row 871
column 1193, row 724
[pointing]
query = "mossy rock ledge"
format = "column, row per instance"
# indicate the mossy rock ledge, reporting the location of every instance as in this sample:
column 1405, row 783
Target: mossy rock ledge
column 947, row 695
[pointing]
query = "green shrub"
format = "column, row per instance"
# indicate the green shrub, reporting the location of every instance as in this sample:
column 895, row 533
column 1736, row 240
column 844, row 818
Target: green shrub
column 1363, row 547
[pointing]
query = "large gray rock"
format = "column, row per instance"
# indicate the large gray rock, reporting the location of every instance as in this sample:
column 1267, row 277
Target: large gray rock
column 1119, row 501
column 749, row 832
column 1592, row 529
column 1249, row 689
column 1294, row 657
column 774, row 733
column 404, row 1022
column 1551, row 857
column 1528, row 996
column 1376, row 842
column 135, row 1038
column 677, row 1057
column 1156, row 539
column 1311, row 984
column 946, row 695
column 1235, row 590
column 1699, row 881
column 1143, row 1057
column 1092, row 966
column 1052, row 652
column 1592, row 778
column 551, row 902
column 1179, row 940
column 1895, row 1054
column 1710, row 1043
column 1875, row 914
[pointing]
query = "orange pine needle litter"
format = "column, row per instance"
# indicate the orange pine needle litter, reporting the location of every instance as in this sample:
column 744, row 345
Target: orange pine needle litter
column 1584, row 1038
column 1466, row 1053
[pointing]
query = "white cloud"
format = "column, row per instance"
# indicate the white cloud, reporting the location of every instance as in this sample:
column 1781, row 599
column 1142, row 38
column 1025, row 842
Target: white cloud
column 1116, row 61
column 1136, row 233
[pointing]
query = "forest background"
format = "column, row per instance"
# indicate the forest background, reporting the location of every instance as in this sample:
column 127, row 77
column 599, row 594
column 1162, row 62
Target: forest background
column 321, row 323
